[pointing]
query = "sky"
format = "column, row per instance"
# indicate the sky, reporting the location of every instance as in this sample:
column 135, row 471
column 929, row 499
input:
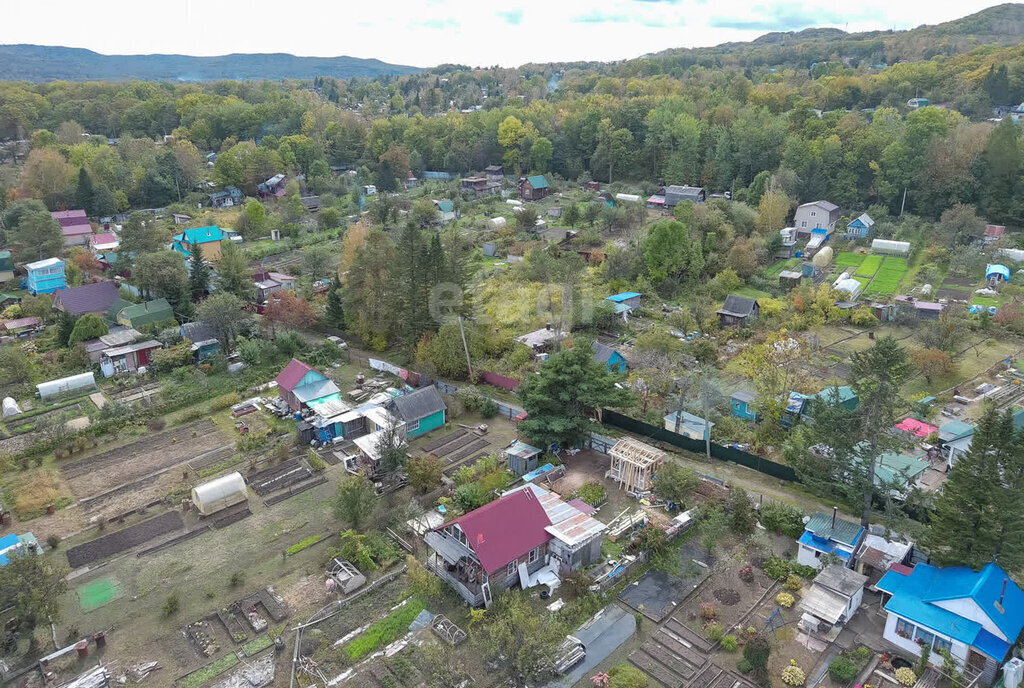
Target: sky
column 425, row 33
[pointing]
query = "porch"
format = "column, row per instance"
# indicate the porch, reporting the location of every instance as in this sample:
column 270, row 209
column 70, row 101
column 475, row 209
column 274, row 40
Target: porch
column 458, row 578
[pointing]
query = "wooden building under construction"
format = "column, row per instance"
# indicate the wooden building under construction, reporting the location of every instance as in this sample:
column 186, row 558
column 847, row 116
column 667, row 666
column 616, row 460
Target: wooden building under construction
column 633, row 464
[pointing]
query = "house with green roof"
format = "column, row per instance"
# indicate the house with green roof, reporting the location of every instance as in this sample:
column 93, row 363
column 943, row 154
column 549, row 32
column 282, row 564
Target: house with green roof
column 828, row 534
column 955, row 440
column 6, row 267
column 534, row 188
column 139, row 315
column 899, row 472
column 208, row 237
column 445, row 210
column 843, row 395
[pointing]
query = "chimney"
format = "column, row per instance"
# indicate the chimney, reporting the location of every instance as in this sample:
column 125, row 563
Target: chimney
column 835, row 510
column 547, row 326
column 1002, row 594
column 479, row 538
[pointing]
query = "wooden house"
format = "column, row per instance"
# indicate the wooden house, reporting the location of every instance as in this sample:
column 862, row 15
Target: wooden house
column 634, row 463
column 737, row 310
column 534, row 188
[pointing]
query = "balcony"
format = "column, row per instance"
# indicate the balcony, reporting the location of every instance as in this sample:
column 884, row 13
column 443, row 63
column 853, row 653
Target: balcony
column 470, row 591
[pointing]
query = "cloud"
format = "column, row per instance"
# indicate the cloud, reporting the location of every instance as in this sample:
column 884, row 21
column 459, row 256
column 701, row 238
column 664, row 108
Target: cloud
column 599, row 17
column 659, row 2
column 514, row 17
column 446, row 23
column 784, row 17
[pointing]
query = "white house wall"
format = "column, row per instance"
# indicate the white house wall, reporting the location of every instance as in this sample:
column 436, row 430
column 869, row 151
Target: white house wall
column 855, row 602
column 957, row 649
column 967, row 608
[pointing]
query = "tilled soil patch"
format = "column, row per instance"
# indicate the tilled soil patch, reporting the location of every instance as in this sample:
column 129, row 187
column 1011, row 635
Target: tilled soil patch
column 123, row 540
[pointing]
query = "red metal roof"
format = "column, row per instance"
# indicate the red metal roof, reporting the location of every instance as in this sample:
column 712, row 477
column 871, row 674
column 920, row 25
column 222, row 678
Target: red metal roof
column 902, row 569
column 292, row 374
column 916, row 427
column 69, row 217
column 505, row 529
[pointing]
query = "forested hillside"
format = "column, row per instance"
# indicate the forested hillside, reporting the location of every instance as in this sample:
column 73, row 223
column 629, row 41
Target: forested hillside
column 52, row 63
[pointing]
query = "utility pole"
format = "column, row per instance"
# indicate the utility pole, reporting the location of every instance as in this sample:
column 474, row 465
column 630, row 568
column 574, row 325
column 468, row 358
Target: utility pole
column 465, row 348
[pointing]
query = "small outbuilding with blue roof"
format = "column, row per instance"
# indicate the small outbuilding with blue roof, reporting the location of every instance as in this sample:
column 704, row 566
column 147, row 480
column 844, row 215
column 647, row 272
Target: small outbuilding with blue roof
column 626, row 301
column 828, row 534
column 996, row 273
column 16, row 545
column 976, row 615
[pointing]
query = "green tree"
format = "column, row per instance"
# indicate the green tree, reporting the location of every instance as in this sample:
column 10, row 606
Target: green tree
column 89, row 326
column 568, row 387
column 979, row 515
column 1000, row 183
column 425, row 472
column 424, row 213
column 14, row 365
column 163, row 275
column 676, row 483
column 571, row 215
column 223, row 312
column 84, row 192
column 199, row 274
column 316, row 260
column 354, row 501
column 524, row 641
column 31, row 588
column 65, row 326
column 334, row 313
column 669, row 252
column 233, row 273
column 34, row 234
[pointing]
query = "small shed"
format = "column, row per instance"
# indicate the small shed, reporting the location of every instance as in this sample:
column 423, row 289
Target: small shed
column 555, row 211
column 490, row 248
column 742, row 404
column 737, row 310
column 996, row 273
column 834, row 597
column 346, row 576
column 688, row 425
column 790, row 279
column 627, row 198
column 521, row 457
column 890, row 248
column 634, row 464
column 220, row 493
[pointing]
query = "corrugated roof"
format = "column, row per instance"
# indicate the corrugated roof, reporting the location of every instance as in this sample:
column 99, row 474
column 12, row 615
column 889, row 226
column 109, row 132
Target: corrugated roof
column 19, row 323
column 841, row 579
column 419, row 404
column 737, row 305
column 45, row 263
column 148, row 312
column 602, row 352
column 123, row 350
column 292, row 374
column 505, row 529
column 315, row 390
column 624, row 296
column 743, row 395
column 843, row 531
column 576, row 529
column 88, row 298
column 201, row 235
column 538, row 181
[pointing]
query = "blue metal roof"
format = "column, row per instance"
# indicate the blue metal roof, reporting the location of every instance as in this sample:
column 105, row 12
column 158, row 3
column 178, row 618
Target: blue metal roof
column 822, row 545
column 6, row 542
column 624, row 296
column 914, row 597
column 998, row 270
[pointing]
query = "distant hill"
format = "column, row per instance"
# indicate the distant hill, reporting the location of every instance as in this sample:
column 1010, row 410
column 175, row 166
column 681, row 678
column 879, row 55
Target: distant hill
column 52, row 63
column 1000, row 25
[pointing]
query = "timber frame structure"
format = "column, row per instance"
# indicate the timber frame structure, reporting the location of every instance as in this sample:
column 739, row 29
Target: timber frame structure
column 633, row 464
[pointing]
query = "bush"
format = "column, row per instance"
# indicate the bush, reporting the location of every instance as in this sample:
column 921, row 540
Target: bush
column 714, row 631
column 906, row 676
column 237, row 578
column 743, row 666
column 842, row 669
column 793, row 675
column 782, row 518
column 793, row 582
column 627, row 676
column 776, row 568
column 171, row 605
column 804, row 571
column 593, row 493
column 784, row 599
column 730, row 643
column 488, row 408
column 53, row 541
column 757, row 651
column 225, row 401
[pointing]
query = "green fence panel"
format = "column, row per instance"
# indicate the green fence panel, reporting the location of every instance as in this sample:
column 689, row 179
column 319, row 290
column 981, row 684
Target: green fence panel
column 776, row 470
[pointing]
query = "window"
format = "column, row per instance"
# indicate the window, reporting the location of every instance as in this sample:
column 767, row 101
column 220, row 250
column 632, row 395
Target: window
column 905, row 629
column 803, row 223
column 412, row 425
column 923, row 637
column 941, row 644
column 817, row 554
column 511, row 568
column 534, row 553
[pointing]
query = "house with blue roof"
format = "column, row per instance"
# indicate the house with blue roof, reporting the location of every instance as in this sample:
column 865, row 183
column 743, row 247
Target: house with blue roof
column 828, row 534
column 688, row 425
column 603, row 353
column 955, row 440
column 208, row 237
column 976, row 615
column 996, row 273
column 860, row 227
column 445, row 211
column 15, row 545
column 625, row 301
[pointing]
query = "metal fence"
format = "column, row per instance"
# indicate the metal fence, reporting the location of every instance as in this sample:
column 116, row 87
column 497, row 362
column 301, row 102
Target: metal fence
column 776, row 470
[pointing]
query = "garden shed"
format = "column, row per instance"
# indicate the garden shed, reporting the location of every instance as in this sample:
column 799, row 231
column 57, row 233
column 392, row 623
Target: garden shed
column 890, row 248
column 220, row 493
column 345, row 575
column 633, row 464
column 521, row 457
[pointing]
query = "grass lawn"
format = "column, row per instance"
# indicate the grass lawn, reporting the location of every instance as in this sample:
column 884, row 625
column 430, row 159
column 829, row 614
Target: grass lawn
column 984, row 301
column 752, row 293
column 887, row 279
column 869, row 266
column 783, row 265
column 849, row 260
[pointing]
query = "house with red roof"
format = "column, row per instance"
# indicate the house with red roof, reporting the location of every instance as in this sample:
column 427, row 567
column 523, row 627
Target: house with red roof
column 74, row 225
column 528, row 536
column 302, row 386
